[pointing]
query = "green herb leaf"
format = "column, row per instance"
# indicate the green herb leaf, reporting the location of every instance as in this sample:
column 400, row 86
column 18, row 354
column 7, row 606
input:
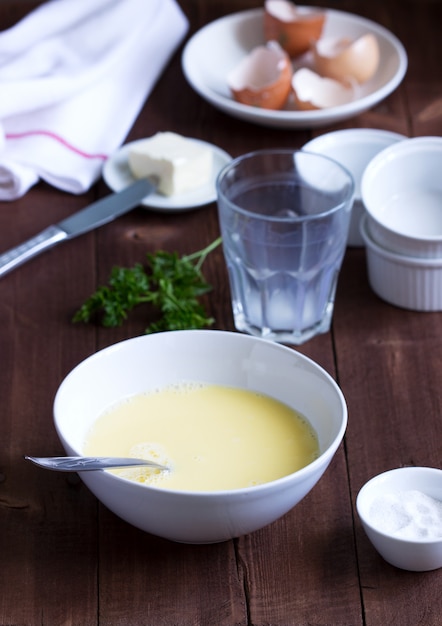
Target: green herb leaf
column 172, row 285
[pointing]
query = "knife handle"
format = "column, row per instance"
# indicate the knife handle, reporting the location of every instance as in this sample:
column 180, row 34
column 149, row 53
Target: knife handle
column 30, row 248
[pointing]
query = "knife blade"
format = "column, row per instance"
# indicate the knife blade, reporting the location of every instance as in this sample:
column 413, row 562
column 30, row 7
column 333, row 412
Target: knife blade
column 93, row 216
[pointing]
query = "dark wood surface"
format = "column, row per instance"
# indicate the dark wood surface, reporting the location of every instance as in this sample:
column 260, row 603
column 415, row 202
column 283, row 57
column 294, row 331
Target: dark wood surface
column 65, row 559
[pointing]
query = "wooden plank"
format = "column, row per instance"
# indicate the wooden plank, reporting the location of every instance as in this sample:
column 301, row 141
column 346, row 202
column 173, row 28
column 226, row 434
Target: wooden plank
column 173, row 583
column 298, row 570
column 397, row 355
column 393, row 358
column 48, row 522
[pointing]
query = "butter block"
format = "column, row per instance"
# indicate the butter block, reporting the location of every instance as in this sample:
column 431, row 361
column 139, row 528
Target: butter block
column 180, row 164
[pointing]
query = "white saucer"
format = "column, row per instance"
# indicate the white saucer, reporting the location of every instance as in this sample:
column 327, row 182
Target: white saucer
column 117, row 176
column 212, row 52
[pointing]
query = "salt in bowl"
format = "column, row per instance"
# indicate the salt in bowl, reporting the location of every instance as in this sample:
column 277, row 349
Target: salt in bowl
column 401, row 513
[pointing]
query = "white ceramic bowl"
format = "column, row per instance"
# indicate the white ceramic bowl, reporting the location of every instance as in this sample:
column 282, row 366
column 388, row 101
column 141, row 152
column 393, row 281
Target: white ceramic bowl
column 408, row 282
column 401, row 190
column 232, row 359
column 354, row 148
column 416, row 553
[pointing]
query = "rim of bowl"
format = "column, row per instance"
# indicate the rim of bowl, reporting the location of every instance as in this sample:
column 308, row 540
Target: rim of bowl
column 403, row 259
column 354, row 135
column 396, row 151
column 307, row 469
column 346, row 137
column 415, row 469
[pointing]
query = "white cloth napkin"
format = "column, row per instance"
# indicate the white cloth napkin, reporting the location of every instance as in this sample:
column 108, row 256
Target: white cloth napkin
column 74, row 74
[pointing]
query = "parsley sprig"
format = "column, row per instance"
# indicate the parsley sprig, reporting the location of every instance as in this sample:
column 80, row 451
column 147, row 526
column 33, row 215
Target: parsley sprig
column 170, row 283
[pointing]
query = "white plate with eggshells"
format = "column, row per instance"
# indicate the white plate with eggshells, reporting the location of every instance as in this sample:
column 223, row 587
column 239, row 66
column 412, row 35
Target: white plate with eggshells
column 215, row 50
column 117, row 175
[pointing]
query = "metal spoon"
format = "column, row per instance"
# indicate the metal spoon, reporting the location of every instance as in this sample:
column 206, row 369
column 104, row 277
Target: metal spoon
column 87, row 463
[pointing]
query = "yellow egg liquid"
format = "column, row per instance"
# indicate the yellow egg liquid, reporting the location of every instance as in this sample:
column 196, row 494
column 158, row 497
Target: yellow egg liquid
column 211, row 437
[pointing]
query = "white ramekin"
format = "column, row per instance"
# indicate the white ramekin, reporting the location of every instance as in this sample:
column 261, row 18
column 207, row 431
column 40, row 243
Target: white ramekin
column 401, row 190
column 407, row 282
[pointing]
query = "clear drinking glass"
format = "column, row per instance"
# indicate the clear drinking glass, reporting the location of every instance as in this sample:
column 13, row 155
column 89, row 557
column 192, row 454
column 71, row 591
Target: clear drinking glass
column 284, row 218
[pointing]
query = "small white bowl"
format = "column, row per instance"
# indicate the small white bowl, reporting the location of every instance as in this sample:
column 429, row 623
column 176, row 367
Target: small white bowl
column 401, row 190
column 232, row 359
column 407, row 282
column 417, row 554
column 354, row 148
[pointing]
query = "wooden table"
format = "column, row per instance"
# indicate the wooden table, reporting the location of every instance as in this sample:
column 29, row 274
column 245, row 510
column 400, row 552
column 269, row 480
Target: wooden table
column 65, row 559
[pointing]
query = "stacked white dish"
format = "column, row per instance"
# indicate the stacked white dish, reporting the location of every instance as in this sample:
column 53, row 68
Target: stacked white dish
column 401, row 189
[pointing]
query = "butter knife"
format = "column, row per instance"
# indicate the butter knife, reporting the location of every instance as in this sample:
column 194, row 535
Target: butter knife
column 95, row 215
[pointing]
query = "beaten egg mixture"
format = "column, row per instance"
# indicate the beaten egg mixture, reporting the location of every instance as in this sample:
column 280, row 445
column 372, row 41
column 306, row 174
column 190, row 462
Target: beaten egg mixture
column 210, row 437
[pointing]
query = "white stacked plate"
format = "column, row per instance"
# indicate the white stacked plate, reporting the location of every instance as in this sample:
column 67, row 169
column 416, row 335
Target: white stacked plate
column 401, row 190
column 212, row 53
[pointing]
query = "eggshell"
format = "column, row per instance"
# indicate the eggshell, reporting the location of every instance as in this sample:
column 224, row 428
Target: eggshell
column 263, row 78
column 312, row 91
column 342, row 59
column 294, row 28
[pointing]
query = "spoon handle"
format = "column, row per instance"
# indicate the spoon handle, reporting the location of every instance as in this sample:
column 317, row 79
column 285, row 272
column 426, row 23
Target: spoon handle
column 84, row 463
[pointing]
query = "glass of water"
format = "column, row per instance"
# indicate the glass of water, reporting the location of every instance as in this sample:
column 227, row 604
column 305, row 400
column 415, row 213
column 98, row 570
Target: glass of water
column 284, row 218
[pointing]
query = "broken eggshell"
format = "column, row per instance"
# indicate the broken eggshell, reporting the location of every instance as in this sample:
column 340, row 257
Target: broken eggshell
column 294, row 28
column 263, row 78
column 343, row 59
column 312, row 91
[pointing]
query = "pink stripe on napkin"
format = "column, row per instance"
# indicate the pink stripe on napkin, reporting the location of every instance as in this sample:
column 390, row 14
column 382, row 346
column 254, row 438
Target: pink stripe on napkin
column 66, row 144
